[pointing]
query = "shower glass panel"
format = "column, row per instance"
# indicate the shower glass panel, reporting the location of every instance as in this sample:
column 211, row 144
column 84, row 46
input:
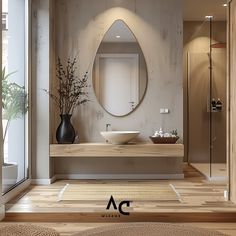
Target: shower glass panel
column 206, row 78
column 218, row 94
column 199, row 112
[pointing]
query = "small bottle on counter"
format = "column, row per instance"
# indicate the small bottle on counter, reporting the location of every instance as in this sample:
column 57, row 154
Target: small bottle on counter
column 161, row 133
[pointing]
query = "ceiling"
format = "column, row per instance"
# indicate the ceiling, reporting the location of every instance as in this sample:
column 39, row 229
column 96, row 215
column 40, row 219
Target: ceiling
column 195, row 10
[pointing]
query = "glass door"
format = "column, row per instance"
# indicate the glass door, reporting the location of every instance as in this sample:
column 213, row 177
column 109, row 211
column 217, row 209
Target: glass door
column 198, row 80
column 218, row 92
column 207, row 100
column 14, row 93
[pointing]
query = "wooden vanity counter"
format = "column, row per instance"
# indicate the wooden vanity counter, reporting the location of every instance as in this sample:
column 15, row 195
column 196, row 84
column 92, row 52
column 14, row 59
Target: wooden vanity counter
column 110, row 150
column 149, row 161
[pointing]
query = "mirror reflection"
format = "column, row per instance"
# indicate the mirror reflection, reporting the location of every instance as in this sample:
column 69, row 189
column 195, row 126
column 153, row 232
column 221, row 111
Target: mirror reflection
column 119, row 71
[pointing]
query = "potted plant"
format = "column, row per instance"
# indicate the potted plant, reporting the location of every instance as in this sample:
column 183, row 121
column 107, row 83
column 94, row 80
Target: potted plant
column 70, row 93
column 14, row 106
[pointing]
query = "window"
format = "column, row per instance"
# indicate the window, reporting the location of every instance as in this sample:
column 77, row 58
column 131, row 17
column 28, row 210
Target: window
column 14, row 92
column 4, row 21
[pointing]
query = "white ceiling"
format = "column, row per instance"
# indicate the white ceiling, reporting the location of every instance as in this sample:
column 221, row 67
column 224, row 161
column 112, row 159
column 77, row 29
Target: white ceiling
column 198, row 9
column 121, row 29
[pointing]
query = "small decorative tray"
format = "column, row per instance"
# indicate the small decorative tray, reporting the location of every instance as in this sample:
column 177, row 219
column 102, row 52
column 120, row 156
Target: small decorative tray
column 164, row 140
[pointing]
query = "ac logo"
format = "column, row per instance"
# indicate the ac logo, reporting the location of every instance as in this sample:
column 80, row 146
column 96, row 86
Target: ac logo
column 120, row 207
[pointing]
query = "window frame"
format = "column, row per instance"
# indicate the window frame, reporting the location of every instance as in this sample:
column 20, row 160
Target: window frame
column 24, row 183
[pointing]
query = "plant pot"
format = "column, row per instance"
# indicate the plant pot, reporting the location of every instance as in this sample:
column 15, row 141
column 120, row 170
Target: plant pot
column 9, row 175
column 65, row 132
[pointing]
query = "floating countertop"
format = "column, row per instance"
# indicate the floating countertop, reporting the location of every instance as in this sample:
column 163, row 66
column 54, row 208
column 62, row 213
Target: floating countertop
column 110, row 150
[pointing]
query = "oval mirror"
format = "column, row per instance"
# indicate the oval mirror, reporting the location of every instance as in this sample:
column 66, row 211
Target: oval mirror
column 119, row 71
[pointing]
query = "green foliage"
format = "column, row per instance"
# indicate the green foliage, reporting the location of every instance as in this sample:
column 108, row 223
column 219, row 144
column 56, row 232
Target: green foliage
column 14, row 99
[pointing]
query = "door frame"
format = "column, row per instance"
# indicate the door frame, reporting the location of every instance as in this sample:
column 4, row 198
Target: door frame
column 97, row 87
column 2, row 206
column 232, row 100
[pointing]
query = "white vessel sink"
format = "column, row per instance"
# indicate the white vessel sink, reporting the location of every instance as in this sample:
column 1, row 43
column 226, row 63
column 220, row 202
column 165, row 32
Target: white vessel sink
column 119, row 137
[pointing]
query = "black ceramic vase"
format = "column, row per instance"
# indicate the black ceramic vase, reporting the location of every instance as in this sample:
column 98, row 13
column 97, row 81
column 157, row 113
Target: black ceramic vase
column 65, row 132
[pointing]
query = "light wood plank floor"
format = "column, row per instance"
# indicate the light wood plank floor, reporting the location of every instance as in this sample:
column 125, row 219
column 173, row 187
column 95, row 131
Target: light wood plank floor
column 219, row 170
column 196, row 193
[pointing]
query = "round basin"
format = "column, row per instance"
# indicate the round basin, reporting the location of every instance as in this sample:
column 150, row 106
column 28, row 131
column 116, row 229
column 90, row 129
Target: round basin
column 119, row 137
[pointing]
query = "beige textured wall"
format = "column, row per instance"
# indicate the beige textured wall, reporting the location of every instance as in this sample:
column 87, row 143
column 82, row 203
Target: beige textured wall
column 157, row 25
column 42, row 71
column 79, row 30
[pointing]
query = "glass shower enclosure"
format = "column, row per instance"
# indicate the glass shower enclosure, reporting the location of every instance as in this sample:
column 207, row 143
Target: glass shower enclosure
column 207, row 100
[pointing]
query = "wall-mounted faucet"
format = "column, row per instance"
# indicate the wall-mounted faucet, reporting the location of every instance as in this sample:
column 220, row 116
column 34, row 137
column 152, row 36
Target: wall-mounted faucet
column 107, row 126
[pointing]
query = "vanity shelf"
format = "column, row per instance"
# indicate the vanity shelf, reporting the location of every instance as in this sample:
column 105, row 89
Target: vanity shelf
column 129, row 161
column 109, row 150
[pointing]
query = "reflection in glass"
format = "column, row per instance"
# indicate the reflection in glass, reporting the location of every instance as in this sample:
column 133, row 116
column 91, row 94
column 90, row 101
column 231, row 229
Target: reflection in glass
column 119, row 71
column 13, row 91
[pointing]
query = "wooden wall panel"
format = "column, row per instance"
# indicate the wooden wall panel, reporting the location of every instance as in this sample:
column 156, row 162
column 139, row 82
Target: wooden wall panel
column 232, row 90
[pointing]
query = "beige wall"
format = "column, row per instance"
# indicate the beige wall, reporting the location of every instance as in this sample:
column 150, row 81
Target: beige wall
column 157, row 25
column 197, row 41
column 42, row 66
column 81, row 30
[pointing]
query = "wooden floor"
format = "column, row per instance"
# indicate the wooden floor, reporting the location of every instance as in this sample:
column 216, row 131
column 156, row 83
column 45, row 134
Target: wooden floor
column 218, row 170
column 201, row 200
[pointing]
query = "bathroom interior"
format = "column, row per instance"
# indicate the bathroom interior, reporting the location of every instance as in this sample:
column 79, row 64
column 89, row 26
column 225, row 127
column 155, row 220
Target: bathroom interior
column 173, row 55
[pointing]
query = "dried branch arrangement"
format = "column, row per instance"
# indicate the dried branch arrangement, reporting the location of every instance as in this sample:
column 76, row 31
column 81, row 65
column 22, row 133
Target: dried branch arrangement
column 71, row 90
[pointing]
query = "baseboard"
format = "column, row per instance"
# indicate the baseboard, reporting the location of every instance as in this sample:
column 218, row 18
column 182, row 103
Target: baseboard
column 44, row 181
column 105, row 176
column 120, row 176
